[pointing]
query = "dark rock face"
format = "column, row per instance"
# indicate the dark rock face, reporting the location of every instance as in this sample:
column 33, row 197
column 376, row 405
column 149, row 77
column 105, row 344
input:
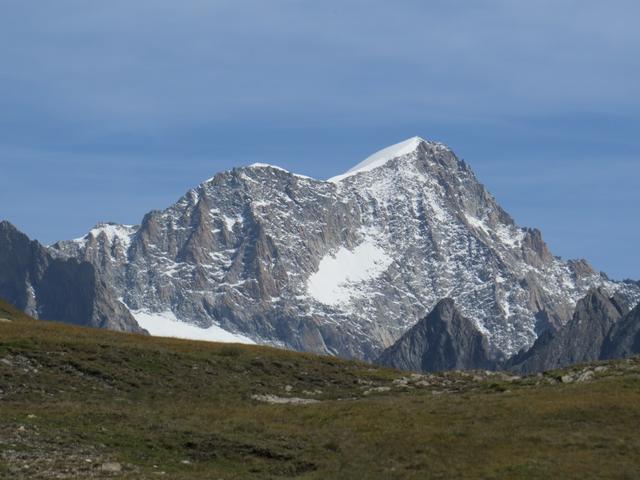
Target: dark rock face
column 623, row 340
column 580, row 340
column 57, row 289
column 443, row 340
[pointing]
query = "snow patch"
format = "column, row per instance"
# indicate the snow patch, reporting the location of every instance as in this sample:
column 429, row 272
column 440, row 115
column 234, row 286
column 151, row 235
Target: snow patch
column 510, row 236
column 476, row 222
column 267, row 165
column 381, row 157
column 275, row 167
column 336, row 274
column 112, row 231
column 166, row 324
column 231, row 221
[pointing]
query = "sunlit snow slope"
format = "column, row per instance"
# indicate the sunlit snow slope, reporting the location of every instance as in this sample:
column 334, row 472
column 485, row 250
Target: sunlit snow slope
column 165, row 324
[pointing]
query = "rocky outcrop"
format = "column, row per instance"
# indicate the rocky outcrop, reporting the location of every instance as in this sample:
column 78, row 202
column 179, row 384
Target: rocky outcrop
column 64, row 290
column 344, row 266
column 443, row 340
column 623, row 340
column 581, row 340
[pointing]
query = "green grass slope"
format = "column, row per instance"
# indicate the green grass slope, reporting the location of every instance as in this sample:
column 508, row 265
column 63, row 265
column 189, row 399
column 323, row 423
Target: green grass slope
column 79, row 403
column 10, row 313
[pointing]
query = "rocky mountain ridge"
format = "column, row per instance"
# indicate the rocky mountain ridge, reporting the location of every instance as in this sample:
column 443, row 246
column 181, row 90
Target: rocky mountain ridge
column 443, row 340
column 344, row 266
column 65, row 290
column 601, row 328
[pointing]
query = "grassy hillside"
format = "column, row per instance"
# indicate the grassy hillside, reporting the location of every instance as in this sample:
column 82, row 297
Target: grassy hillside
column 9, row 312
column 80, row 403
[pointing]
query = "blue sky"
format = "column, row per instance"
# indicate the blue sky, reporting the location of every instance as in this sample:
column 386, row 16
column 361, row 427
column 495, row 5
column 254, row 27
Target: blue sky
column 111, row 109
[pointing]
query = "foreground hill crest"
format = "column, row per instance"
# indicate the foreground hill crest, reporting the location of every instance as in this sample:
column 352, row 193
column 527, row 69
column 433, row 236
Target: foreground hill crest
column 344, row 266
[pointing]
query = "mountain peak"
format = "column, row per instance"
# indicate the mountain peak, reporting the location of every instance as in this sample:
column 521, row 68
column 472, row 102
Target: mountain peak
column 9, row 231
column 276, row 167
column 383, row 156
column 443, row 340
column 267, row 165
column 7, row 225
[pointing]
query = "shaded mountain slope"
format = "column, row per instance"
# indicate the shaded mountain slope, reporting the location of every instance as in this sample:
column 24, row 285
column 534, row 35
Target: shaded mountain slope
column 54, row 288
column 623, row 340
column 601, row 328
column 443, row 340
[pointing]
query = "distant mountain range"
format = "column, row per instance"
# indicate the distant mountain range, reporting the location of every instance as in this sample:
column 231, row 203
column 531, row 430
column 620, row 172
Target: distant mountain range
column 346, row 266
column 601, row 328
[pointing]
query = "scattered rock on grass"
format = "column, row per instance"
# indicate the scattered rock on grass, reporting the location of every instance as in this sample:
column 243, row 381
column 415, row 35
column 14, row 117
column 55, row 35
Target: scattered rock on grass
column 566, row 379
column 586, row 376
column 111, row 467
column 376, row 390
column 274, row 399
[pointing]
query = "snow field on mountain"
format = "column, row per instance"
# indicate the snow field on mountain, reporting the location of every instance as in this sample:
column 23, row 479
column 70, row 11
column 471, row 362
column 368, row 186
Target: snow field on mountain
column 337, row 273
column 165, row 324
column 121, row 232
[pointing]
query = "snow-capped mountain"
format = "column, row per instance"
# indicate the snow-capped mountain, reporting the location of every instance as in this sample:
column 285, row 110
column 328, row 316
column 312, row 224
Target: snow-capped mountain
column 343, row 266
